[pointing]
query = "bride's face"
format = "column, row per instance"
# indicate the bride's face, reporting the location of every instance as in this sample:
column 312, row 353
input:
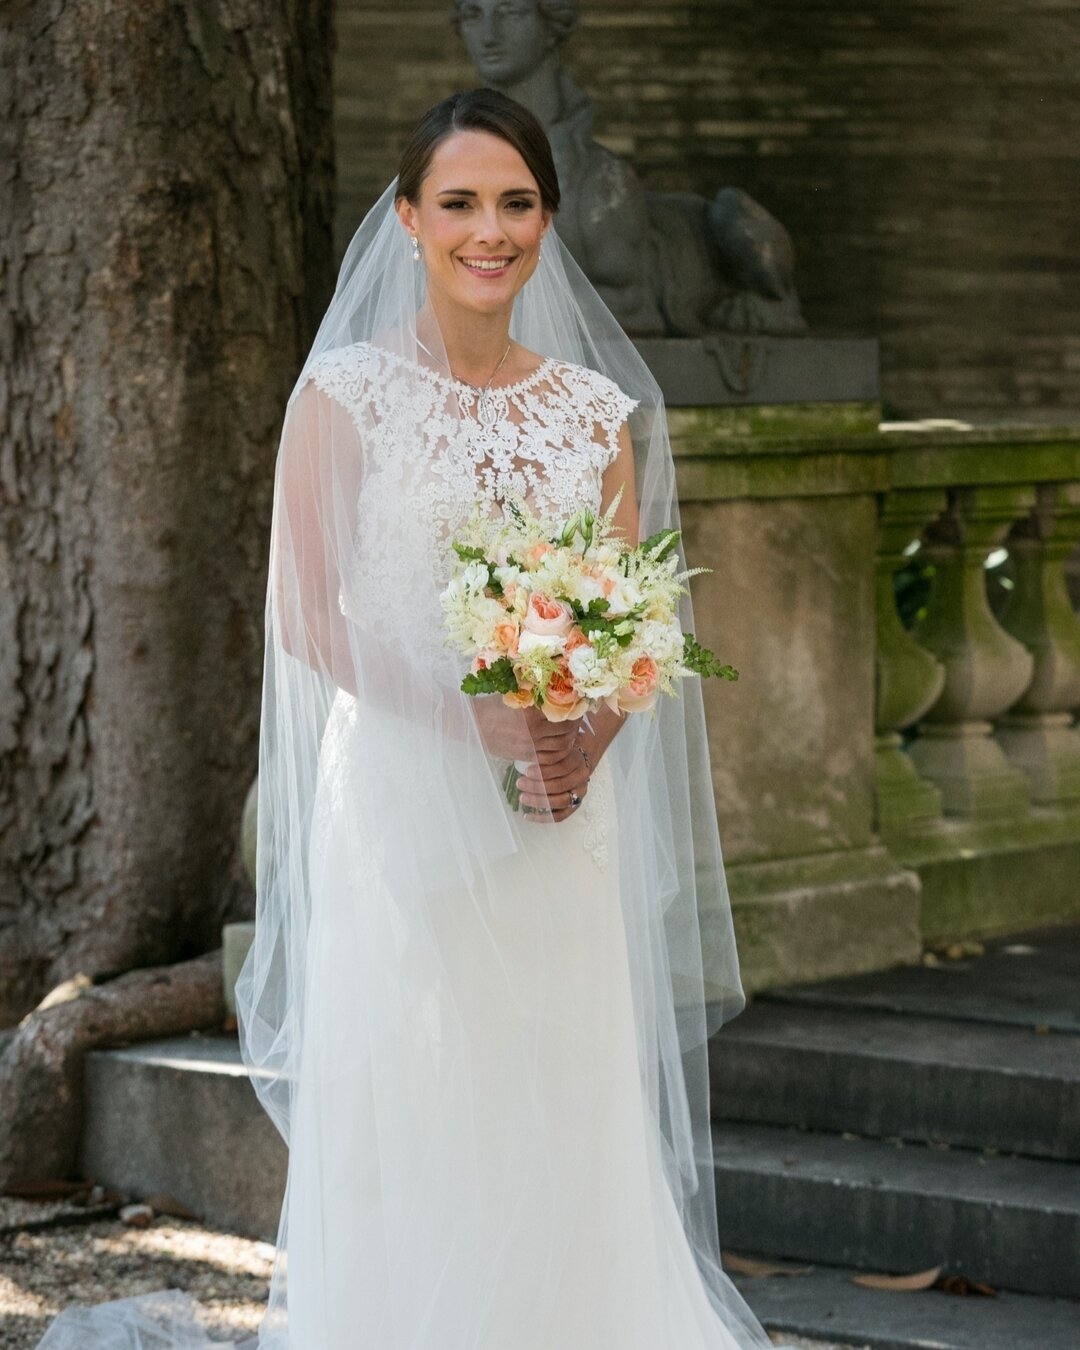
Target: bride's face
column 479, row 221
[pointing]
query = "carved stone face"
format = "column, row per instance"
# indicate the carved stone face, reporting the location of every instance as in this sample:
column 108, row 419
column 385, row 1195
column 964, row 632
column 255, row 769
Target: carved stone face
column 506, row 39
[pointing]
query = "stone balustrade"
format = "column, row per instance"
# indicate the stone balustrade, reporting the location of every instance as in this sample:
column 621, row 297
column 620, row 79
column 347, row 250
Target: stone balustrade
column 881, row 785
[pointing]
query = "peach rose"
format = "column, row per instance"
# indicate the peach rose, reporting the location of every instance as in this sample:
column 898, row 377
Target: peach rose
column 575, row 639
column 640, row 694
column 537, row 552
column 506, row 637
column 562, row 701
column 522, row 697
column 548, row 617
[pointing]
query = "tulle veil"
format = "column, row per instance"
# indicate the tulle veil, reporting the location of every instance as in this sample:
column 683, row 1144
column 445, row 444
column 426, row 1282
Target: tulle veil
column 436, row 824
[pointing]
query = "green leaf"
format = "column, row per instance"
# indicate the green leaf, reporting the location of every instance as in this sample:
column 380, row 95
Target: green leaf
column 498, row 678
column 663, row 541
column 596, row 608
column 703, row 662
column 467, row 553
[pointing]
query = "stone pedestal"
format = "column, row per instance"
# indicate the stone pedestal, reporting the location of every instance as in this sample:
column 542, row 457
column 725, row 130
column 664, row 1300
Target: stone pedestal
column 1039, row 734
column 986, row 669
column 777, row 497
column 909, row 679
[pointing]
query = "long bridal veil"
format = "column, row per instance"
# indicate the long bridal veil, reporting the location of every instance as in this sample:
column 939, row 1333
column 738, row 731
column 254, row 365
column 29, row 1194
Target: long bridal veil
column 362, row 711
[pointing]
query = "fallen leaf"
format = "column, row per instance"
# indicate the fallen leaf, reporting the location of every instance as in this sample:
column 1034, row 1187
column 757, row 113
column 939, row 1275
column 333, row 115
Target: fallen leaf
column 745, row 1265
column 960, row 1284
column 137, row 1216
column 168, row 1204
column 921, row 1279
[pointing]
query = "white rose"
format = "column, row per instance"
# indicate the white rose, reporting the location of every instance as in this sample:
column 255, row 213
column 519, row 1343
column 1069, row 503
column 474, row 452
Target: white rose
column 625, row 597
column 586, row 589
column 531, row 642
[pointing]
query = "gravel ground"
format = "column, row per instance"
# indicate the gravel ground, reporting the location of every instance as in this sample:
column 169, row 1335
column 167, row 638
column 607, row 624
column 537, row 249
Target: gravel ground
column 55, row 1253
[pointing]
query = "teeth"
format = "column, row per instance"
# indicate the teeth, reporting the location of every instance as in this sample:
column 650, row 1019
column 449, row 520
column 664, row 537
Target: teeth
column 486, row 266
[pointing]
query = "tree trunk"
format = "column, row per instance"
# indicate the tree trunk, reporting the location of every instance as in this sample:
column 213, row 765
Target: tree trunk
column 41, row 1064
column 165, row 251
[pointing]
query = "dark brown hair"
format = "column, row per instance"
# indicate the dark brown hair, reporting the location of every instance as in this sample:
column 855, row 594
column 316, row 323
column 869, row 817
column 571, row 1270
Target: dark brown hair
column 479, row 110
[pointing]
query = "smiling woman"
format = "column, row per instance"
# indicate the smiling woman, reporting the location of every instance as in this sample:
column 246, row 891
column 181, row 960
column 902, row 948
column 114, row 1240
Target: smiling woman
column 482, row 1031
column 477, row 205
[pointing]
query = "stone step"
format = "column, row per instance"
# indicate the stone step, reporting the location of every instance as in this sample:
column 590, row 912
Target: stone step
column 824, row 1303
column 180, row 1117
column 1006, row 1221
column 884, row 1074
column 1025, row 980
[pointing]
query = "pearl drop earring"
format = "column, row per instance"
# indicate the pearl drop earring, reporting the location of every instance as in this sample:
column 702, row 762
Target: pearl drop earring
column 416, row 249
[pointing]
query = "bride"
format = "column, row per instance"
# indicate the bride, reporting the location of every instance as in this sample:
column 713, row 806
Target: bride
column 481, row 1030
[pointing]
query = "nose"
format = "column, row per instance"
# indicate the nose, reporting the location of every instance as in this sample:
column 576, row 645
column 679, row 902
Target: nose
column 488, row 231
column 490, row 29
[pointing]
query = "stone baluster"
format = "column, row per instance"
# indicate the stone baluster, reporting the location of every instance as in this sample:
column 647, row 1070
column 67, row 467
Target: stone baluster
column 908, row 678
column 986, row 669
column 1038, row 733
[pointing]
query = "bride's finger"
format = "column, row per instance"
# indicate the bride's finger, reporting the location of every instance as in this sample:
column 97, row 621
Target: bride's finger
column 556, row 795
column 558, row 777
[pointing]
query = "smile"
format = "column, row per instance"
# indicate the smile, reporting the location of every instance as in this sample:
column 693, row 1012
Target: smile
column 486, row 266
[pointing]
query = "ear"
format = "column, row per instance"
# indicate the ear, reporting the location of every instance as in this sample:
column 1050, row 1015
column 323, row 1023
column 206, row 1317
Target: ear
column 406, row 214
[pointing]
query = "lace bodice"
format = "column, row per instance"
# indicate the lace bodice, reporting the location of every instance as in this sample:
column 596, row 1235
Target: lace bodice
column 552, row 436
column 426, row 459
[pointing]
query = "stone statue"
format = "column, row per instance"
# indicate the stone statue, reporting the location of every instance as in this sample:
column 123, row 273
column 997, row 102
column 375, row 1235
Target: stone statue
column 666, row 263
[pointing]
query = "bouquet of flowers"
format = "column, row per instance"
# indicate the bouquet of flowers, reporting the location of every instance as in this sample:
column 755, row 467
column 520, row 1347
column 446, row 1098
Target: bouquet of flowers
column 568, row 616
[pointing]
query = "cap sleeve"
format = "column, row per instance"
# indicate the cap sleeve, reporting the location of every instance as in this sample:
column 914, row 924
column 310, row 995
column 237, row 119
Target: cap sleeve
column 604, row 407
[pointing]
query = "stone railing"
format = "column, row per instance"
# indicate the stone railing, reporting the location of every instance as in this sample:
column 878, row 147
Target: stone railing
column 880, row 787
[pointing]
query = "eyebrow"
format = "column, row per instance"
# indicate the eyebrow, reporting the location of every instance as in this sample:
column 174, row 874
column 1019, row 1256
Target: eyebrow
column 468, row 192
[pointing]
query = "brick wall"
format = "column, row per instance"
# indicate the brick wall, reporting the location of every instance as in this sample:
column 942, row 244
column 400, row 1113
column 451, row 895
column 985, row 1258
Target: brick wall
column 925, row 155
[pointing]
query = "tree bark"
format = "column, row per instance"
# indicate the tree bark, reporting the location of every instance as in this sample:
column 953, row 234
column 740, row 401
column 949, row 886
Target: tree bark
column 165, row 252
column 41, row 1065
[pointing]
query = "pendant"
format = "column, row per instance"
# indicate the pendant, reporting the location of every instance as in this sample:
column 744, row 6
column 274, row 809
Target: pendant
column 486, row 410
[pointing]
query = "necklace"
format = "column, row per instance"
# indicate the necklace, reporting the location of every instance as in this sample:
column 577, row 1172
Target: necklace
column 487, row 409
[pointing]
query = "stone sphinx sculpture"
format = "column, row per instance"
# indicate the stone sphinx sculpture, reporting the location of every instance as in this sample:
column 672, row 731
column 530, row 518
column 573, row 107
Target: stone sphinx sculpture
column 666, row 263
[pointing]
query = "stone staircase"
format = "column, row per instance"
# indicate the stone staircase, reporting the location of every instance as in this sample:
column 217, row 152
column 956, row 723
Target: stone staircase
column 890, row 1122
column 895, row 1122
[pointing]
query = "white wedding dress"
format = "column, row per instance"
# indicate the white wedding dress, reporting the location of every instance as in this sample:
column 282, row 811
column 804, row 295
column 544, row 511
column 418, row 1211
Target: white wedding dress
column 507, row 1167
column 473, row 1165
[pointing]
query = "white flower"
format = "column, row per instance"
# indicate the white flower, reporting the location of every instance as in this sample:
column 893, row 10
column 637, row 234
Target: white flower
column 475, row 576
column 662, row 641
column 584, row 589
column 626, row 596
column 591, row 673
column 508, row 576
column 485, row 614
column 550, row 645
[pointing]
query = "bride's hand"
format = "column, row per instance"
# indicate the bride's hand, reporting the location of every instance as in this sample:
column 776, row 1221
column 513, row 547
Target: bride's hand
column 521, row 733
column 557, row 786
